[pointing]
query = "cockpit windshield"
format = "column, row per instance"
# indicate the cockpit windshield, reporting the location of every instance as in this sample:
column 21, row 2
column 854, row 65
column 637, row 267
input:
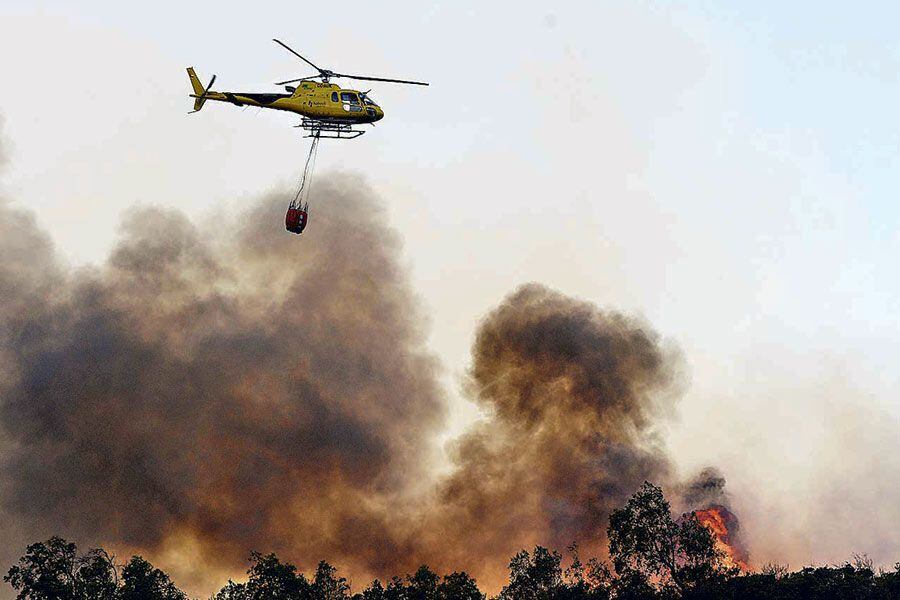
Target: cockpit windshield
column 368, row 101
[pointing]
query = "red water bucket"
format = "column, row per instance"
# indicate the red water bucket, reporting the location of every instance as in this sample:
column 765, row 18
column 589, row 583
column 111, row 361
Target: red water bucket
column 295, row 220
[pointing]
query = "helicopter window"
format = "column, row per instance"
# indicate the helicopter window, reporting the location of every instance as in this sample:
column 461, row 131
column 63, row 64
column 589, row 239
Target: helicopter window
column 349, row 97
column 334, row 97
column 368, row 101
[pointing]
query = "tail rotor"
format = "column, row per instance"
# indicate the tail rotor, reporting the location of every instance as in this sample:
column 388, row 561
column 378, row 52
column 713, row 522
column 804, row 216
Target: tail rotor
column 200, row 92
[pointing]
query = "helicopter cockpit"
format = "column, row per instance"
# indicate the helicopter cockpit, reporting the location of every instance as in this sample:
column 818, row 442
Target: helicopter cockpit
column 372, row 109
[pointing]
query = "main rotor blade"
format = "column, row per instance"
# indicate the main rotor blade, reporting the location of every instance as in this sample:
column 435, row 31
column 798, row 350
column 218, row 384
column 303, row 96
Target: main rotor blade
column 379, row 79
column 295, row 53
column 296, row 80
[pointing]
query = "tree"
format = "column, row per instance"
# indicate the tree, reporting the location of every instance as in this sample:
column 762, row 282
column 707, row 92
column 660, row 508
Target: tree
column 269, row 579
column 581, row 581
column 99, row 579
column 142, row 581
column 599, row 579
column 458, row 586
column 422, row 585
column 375, row 591
column 53, row 570
column 396, row 589
column 533, row 577
column 887, row 584
column 646, row 542
column 327, row 585
column 232, row 591
column 633, row 585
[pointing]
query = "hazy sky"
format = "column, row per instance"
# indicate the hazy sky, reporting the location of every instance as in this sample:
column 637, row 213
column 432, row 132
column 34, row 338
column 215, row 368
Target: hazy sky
column 727, row 170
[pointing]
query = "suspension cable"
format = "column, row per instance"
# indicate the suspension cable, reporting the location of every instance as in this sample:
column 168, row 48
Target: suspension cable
column 315, row 156
column 306, row 177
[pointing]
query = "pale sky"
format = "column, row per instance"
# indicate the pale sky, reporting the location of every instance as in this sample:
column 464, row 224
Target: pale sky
column 727, row 170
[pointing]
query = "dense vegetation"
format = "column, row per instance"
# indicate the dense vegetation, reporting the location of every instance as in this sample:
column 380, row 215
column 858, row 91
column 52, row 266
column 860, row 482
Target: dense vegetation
column 652, row 556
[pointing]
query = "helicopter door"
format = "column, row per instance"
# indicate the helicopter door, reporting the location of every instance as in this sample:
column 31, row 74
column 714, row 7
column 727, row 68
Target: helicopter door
column 350, row 102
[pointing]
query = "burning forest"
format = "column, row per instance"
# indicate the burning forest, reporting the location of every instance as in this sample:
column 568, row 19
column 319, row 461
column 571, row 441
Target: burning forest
column 204, row 394
column 213, row 395
column 651, row 557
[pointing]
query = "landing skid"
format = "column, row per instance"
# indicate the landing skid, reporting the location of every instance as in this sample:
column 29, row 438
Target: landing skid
column 325, row 129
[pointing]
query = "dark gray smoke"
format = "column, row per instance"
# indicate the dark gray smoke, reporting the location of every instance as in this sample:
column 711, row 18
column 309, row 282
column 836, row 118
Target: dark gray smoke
column 705, row 489
column 225, row 387
column 572, row 394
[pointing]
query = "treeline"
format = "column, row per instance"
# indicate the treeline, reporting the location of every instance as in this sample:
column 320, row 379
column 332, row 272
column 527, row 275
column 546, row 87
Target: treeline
column 652, row 556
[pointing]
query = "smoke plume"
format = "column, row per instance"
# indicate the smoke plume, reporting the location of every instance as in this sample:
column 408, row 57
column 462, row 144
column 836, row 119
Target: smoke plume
column 217, row 388
column 572, row 394
column 226, row 386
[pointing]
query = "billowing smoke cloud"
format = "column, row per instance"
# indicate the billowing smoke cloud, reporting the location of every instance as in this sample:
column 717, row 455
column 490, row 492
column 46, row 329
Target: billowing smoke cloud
column 224, row 386
column 572, row 395
column 221, row 387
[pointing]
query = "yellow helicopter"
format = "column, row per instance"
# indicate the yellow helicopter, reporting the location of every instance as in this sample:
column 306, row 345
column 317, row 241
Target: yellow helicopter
column 326, row 109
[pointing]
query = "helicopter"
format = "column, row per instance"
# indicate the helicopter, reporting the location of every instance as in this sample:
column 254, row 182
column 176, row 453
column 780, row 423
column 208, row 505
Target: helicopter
column 326, row 109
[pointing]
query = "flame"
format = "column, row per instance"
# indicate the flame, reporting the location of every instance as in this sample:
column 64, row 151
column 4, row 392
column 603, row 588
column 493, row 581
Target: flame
column 724, row 525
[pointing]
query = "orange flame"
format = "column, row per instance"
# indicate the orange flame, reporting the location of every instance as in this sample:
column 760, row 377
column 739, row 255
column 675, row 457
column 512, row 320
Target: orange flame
column 723, row 525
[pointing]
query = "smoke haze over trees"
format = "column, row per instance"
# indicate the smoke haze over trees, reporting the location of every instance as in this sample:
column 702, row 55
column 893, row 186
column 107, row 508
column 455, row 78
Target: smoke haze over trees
column 217, row 387
column 653, row 557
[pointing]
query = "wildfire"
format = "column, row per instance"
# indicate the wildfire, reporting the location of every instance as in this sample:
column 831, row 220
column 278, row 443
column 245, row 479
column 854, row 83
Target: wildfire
column 724, row 525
